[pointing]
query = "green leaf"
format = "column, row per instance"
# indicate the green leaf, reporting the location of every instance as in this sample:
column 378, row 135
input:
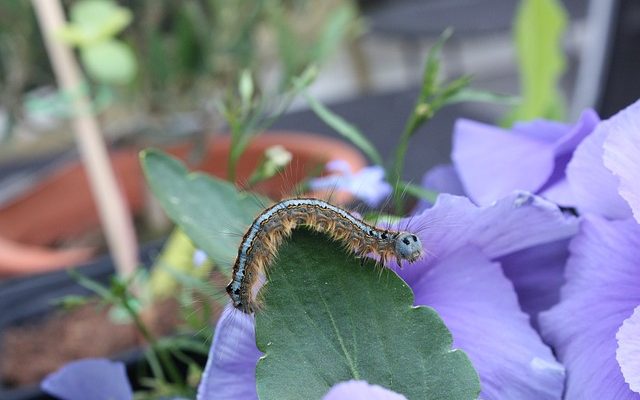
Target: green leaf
column 418, row 191
column 327, row 319
column 539, row 27
column 210, row 211
column 110, row 61
column 432, row 66
column 482, row 96
column 333, row 33
column 344, row 128
column 93, row 21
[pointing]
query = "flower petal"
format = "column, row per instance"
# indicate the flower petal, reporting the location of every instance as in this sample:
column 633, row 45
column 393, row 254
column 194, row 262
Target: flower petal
column 442, row 178
column 231, row 368
column 368, row 184
column 622, row 154
column 594, row 187
column 585, row 125
column 603, row 277
column 479, row 306
column 91, row 378
column 537, row 274
column 361, row 390
column 492, row 162
column 516, row 222
column 628, row 353
column 338, row 166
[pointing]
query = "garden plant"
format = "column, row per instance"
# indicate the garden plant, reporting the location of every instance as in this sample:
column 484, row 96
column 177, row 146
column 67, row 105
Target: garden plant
column 527, row 288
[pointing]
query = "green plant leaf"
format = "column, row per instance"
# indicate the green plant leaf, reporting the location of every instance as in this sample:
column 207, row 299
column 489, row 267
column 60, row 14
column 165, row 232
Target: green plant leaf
column 210, row 211
column 327, row 319
column 482, row 96
column 418, row 191
column 333, row 33
column 344, row 128
column 93, row 21
column 431, row 72
column 110, row 61
column 539, row 27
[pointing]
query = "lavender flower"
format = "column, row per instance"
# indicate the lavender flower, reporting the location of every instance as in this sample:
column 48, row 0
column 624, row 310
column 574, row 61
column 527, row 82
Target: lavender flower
column 491, row 162
column 361, row 390
column 595, row 326
column 91, row 378
column 463, row 280
column 368, row 184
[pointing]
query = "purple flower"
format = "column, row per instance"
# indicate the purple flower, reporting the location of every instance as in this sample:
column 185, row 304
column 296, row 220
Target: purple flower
column 91, row 378
column 361, row 390
column 368, row 184
column 462, row 279
column 594, row 328
column 491, row 162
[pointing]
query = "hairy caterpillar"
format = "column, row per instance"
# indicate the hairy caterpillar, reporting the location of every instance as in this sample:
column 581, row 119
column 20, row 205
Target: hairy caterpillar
column 260, row 243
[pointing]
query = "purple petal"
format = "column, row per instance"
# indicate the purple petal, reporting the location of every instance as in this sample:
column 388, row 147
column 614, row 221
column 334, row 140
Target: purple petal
column 516, row 222
column 628, row 353
column 541, row 130
column 603, row 277
column 231, row 368
column 622, row 154
column 361, row 390
column 479, row 306
column 492, row 162
column 587, row 122
column 442, row 179
column 338, row 166
column 594, row 187
column 537, row 274
column 91, row 378
column 368, row 184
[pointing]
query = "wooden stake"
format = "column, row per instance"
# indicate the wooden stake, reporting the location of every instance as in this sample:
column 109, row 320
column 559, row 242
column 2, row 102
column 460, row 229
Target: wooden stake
column 112, row 208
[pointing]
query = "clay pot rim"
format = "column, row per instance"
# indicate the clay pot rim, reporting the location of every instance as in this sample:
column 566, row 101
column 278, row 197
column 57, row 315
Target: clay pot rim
column 18, row 256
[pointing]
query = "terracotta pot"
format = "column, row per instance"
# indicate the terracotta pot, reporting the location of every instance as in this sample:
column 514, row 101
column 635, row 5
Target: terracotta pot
column 62, row 206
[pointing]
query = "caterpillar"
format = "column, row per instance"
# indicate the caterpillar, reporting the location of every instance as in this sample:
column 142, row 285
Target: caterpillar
column 261, row 241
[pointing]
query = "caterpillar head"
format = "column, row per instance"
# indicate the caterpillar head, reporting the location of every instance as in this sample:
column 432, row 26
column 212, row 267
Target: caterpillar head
column 408, row 247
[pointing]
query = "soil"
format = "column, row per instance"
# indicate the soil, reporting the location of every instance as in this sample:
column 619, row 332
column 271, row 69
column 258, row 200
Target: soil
column 31, row 351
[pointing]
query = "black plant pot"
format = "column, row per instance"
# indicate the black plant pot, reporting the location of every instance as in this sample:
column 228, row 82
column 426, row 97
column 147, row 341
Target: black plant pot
column 29, row 299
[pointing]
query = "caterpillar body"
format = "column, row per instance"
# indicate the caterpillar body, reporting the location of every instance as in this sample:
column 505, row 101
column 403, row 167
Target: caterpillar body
column 260, row 243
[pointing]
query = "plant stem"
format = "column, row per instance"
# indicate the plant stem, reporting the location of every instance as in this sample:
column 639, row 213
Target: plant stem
column 151, row 339
column 395, row 174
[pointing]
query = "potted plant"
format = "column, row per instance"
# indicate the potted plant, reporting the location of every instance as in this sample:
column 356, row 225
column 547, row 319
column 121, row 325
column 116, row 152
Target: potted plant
column 245, row 120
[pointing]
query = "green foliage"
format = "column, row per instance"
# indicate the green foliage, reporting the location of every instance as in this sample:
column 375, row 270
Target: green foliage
column 126, row 298
column 210, row 211
column 94, row 21
column 177, row 256
column 347, row 130
column 247, row 118
column 539, row 27
column 327, row 319
column 93, row 27
column 432, row 97
column 110, row 61
column 296, row 54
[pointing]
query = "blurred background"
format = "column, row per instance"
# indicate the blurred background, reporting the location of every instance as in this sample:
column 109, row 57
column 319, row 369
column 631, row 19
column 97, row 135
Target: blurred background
column 182, row 74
